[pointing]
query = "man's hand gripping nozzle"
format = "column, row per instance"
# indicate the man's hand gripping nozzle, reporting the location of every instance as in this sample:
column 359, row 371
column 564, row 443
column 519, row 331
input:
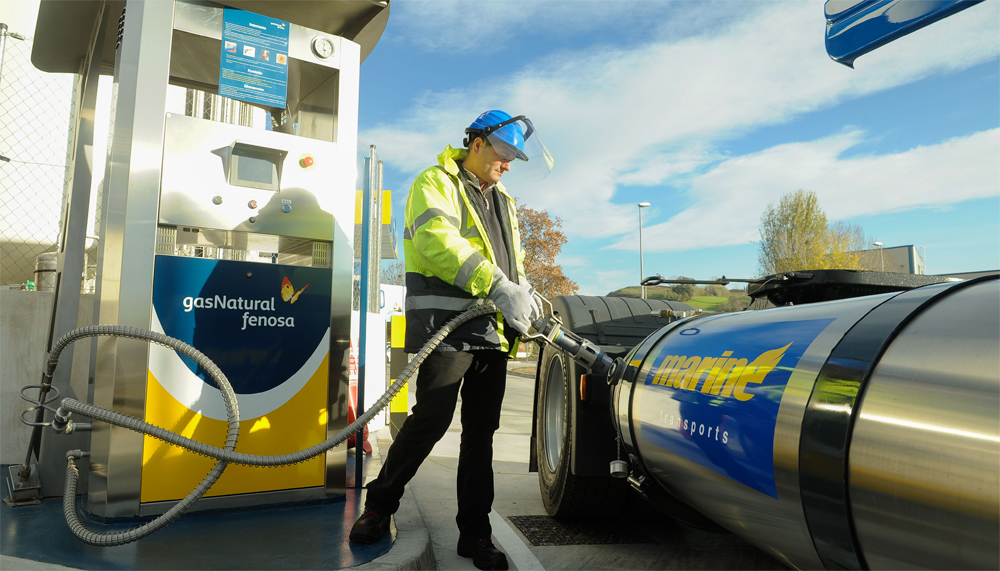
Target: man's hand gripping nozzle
column 549, row 329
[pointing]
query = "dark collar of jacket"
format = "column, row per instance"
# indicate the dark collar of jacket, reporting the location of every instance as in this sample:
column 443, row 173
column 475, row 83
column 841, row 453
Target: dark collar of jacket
column 498, row 202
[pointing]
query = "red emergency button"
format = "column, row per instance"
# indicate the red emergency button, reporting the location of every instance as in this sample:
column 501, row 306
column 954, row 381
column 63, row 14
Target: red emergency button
column 252, row 204
column 306, row 161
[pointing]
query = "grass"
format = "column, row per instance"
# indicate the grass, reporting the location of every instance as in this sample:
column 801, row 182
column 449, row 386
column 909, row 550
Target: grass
column 706, row 302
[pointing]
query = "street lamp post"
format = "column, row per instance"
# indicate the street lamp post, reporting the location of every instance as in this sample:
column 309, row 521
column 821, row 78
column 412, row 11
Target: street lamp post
column 880, row 257
column 642, row 273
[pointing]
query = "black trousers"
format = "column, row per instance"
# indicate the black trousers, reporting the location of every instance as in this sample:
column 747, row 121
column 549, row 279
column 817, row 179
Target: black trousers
column 438, row 382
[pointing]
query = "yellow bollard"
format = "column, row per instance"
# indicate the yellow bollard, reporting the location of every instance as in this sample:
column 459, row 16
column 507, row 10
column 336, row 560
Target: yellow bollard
column 399, row 407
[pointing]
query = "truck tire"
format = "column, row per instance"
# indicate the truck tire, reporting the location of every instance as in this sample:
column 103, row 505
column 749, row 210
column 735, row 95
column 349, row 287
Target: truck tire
column 607, row 321
column 564, row 494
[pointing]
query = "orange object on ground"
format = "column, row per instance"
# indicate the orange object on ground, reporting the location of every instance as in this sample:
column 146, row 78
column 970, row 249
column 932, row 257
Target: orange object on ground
column 352, row 414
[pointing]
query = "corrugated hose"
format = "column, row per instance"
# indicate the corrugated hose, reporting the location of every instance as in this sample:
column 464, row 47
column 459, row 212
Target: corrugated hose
column 224, row 455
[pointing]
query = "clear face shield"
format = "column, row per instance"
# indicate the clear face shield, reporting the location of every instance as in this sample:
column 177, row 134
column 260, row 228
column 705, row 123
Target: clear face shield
column 518, row 139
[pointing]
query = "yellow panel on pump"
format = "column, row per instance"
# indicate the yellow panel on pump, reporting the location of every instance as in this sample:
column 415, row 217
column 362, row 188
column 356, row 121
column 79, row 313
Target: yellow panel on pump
column 170, row 473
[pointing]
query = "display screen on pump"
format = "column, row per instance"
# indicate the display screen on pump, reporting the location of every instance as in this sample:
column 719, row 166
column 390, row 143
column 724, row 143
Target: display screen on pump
column 252, row 169
column 254, row 166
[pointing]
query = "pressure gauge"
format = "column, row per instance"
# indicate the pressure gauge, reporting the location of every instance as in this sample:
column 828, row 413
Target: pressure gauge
column 322, row 47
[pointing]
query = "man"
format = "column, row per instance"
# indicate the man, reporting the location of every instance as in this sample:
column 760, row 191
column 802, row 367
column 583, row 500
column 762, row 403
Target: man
column 462, row 245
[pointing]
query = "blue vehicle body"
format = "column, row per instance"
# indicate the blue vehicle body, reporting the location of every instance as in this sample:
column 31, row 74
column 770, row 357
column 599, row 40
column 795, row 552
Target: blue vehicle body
column 856, row 27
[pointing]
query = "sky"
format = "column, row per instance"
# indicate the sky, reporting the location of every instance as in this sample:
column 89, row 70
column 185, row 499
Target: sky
column 709, row 111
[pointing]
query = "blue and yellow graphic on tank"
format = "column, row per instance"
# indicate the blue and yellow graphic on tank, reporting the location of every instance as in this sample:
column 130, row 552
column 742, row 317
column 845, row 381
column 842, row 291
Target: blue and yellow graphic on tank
column 714, row 394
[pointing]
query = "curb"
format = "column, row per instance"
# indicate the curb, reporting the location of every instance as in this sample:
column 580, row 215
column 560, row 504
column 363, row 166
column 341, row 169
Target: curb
column 10, row 562
column 412, row 549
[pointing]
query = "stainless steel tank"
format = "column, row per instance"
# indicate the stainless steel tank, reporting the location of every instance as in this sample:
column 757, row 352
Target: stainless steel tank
column 861, row 433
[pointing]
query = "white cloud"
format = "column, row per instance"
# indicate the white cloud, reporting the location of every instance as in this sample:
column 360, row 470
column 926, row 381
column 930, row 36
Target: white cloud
column 494, row 25
column 659, row 166
column 732, row 196
column 648, row 113
column 572, row 261
column 601, row 282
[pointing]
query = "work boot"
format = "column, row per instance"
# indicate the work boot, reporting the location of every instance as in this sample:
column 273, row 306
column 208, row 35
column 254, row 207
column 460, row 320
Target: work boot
column 483, row 553
column 370, row 527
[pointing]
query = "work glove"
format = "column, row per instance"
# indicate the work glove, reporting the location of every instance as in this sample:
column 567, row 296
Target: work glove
column 536, row 304
column 513, row 300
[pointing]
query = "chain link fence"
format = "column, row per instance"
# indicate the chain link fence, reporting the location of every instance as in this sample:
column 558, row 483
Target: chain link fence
column 37, row 112
column 37, row 121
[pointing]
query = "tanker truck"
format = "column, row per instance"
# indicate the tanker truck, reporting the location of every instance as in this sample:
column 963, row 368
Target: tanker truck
column 851, row 422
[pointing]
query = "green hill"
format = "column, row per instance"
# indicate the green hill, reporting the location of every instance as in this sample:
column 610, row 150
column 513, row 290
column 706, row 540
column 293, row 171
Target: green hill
column 652, row 292
column 736, row 300
column 706, row 302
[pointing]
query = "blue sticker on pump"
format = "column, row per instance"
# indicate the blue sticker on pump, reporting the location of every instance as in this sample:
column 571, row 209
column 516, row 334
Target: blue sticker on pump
column 260, row 323
column 254, row 60
column 714, row 395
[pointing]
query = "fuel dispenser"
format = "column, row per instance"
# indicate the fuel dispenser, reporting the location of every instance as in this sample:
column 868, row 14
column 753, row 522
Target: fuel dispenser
column 248, row 196
column 234, row 239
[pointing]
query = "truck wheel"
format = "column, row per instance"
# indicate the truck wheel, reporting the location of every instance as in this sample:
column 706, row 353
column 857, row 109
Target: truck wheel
column 564, row 494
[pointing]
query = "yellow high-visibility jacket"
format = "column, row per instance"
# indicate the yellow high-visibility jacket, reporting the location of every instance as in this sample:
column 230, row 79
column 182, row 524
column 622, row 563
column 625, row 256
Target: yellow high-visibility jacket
column 449, row 259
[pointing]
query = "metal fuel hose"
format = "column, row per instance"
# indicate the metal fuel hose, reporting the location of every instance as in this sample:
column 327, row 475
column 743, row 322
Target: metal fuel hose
column 224, row 455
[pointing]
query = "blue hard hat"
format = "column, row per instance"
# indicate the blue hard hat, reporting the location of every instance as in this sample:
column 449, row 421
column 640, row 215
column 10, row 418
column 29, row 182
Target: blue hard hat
column 502, row 130
column 513, row 138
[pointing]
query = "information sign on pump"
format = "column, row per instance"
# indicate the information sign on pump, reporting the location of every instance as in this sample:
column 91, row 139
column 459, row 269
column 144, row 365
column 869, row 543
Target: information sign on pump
column 254, row 59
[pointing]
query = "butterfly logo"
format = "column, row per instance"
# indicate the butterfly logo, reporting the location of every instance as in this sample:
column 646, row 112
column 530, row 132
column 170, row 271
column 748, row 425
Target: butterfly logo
column 288, row 292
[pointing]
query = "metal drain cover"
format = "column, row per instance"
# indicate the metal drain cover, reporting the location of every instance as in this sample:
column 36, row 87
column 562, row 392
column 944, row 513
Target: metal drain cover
column 542, row 530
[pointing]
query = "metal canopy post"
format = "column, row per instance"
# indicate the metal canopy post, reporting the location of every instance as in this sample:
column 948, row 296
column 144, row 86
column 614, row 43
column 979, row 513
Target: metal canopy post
column 129, row 236
column 52, row 467
column 368, row 209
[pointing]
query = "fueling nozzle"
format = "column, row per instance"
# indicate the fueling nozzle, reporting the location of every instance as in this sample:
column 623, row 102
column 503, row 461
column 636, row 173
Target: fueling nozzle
column 549, row 329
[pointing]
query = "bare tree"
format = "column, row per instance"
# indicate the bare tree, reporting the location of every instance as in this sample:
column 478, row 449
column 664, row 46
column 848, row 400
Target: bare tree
column 394, row 273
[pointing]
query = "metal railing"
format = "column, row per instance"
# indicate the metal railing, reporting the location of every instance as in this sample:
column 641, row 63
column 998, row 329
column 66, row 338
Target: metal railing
column 369, row 180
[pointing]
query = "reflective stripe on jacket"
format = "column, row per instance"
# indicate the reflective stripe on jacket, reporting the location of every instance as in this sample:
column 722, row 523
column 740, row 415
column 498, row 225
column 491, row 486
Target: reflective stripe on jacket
column 449, row 259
